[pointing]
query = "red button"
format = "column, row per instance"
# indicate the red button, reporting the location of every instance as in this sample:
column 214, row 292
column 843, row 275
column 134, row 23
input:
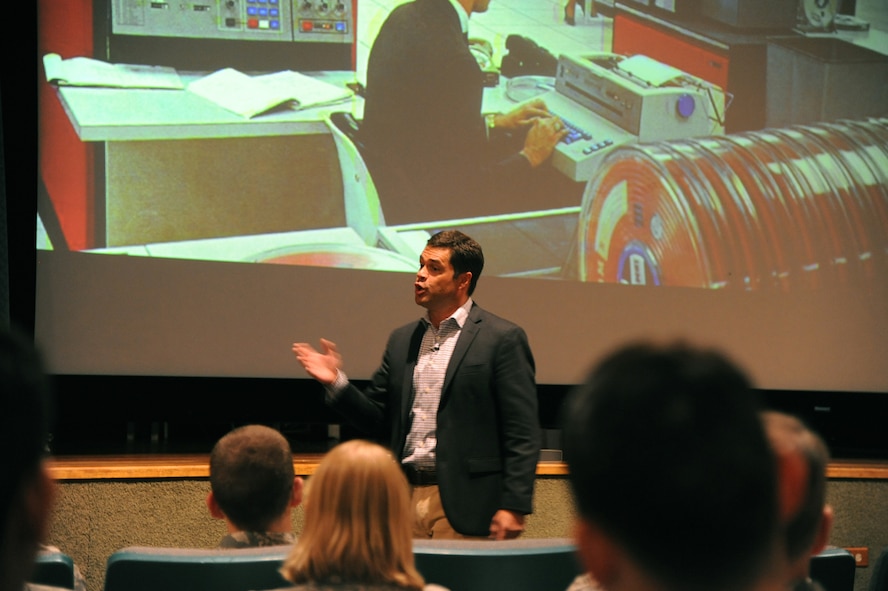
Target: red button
column 307, row 25
column 252, row 23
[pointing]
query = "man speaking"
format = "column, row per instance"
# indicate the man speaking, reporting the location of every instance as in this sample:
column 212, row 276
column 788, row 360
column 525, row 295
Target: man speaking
column 455, row 396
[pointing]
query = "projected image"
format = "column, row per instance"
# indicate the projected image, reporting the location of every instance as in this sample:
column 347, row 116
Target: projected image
column 300, row 133
column 802, row 207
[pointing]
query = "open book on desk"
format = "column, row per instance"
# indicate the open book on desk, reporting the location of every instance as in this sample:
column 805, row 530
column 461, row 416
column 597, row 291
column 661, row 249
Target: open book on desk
column 250, row 96
column 85, row 71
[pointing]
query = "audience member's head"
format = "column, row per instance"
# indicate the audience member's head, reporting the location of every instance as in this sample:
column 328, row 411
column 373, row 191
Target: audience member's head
column 673, row 477
column 26, row 490
column 357, row 521
column 807, row 520
column 253, row 484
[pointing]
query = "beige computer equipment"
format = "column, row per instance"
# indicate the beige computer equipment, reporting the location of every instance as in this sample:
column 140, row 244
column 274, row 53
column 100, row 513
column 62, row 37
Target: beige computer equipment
column 609, row 100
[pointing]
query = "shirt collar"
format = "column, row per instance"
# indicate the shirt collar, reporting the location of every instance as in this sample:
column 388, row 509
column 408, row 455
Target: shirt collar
column 463, row 16
column 460, row 315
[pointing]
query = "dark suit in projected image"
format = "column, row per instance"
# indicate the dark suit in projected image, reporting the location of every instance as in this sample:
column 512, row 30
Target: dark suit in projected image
column 426, row 140
column 455, row 398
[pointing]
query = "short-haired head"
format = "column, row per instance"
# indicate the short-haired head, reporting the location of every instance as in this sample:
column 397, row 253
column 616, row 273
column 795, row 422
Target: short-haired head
column 252, row 475
column 667, row 456
column 465, row 253
column 357, row 521
column 790, row 436
column 25, row 488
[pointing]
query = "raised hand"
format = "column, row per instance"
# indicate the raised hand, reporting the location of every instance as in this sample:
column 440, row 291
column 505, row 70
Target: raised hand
column 322, row 365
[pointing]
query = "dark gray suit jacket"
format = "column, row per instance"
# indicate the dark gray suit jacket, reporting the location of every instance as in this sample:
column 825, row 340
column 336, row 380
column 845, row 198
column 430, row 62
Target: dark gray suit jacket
column 424, row 136
column 488, row 425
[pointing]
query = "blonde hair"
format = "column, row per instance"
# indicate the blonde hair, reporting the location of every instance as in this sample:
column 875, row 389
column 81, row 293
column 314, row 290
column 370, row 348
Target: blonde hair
column 357, row 521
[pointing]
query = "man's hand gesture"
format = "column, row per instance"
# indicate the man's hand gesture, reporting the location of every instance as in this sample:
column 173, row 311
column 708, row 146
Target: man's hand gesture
column 322, row 365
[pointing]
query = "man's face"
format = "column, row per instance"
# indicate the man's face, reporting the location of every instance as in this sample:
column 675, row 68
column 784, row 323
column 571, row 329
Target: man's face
column 436, row 286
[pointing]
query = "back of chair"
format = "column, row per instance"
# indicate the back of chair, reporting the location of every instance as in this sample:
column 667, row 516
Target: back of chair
column 879, row 578
column 54, row 569
column 545, row 564
column 363, row 212
column 348, row 125
column 139, row 568
column 834, row 569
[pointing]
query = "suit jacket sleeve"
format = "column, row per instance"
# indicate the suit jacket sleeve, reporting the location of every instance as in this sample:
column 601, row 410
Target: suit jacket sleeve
column 516, row 397
column 377, row 409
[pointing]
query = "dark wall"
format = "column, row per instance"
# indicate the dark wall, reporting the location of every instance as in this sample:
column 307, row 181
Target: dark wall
column 18, row 165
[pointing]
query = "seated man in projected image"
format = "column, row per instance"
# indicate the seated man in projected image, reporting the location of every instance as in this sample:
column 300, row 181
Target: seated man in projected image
column 254, row 487
column 673, row 476
column 431, row 153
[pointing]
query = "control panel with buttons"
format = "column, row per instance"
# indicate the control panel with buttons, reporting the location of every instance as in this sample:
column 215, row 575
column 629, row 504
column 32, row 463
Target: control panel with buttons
column 326, row 21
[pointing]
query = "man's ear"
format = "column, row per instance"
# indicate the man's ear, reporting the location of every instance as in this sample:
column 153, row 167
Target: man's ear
column 27, row 521
column 465, row 280
column 296, row 496
column 792, row 479
column 213, row 506
column 597, row 553
column 38, row 503
column 823, row 531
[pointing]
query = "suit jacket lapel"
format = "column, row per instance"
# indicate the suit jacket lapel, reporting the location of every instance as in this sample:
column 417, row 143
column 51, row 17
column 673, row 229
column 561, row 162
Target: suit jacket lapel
column 466, row 336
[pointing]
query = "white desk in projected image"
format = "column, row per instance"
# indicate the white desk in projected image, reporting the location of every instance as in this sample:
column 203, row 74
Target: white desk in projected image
column 181, row 177
column 173, row 166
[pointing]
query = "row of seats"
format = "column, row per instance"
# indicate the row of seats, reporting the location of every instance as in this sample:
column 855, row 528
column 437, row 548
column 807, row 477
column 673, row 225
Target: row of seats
column 529, row 564
column 542, row 564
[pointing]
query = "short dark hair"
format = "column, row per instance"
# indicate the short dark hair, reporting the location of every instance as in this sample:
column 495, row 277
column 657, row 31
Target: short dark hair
column 251, row 475
column 667, row 455
column 802, row 528
column 465, row 253
column 25, row 415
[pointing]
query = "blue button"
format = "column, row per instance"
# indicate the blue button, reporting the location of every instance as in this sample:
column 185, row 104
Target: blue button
column 686, row 105
column 275, row 24
column 274, row 12
column 263, row 12
column 252, row 11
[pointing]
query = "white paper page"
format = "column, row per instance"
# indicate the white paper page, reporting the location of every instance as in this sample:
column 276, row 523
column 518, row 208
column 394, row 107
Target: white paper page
column 307, row 91
column 239, row 93
column 649, row 70
column 84, row 71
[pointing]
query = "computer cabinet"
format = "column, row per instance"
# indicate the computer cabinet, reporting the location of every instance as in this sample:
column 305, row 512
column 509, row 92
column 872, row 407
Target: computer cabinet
column 734, row 60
